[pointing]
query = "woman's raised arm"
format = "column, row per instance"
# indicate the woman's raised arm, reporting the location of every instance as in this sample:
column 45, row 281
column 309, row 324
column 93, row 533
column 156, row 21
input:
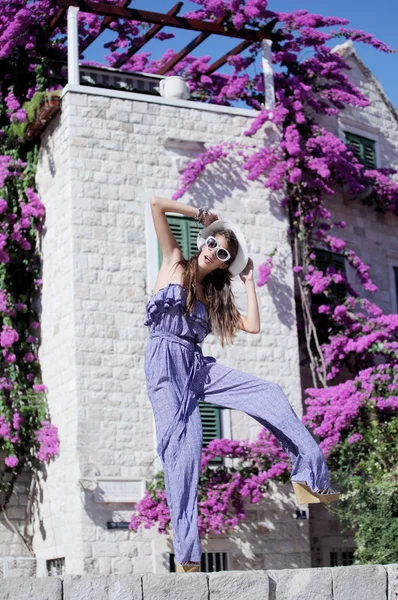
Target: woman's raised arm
column 167, row 241
column 250, row 323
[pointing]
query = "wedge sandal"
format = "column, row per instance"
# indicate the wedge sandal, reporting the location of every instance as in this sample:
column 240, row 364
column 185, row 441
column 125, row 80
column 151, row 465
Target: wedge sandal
column 305, row 495
column 187, row 567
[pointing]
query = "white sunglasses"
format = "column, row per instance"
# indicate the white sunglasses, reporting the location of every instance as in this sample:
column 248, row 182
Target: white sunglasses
column 221, row 253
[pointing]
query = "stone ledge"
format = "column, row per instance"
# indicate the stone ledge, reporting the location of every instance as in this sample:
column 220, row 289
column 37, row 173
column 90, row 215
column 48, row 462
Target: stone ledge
column 364, row 582
column 192, row 104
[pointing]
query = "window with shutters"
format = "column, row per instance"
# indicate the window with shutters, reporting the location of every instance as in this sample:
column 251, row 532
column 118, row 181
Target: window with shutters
column 363, row 148
column 211, row 425
column 185, row 231
column 325, row 259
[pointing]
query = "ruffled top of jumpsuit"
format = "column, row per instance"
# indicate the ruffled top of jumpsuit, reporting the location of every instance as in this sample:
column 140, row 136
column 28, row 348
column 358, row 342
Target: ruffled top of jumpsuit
column 165, row 313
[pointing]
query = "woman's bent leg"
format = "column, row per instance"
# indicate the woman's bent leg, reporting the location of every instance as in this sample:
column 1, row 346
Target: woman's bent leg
column 266, row 402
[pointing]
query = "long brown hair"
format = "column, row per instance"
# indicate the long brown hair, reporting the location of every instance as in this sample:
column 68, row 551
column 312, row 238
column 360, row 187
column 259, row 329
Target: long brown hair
column 224, row 317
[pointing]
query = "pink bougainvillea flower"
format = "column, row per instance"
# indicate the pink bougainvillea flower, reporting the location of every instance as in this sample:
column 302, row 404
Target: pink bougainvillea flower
column 8, row 336
column 39, row 387
column 11, row 461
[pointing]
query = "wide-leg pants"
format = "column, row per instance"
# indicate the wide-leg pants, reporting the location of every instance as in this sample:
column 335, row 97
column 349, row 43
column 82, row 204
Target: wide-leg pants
column 178, row 376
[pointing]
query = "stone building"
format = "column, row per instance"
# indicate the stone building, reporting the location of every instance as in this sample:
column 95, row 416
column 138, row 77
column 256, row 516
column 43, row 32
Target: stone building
column 102, row 158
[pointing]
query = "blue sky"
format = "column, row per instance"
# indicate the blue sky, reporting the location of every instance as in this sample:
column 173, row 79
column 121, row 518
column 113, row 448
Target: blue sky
column 379, row 18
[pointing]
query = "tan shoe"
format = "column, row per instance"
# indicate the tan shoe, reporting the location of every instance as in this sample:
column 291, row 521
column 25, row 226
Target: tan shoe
column 187, row 567
column 305, row 495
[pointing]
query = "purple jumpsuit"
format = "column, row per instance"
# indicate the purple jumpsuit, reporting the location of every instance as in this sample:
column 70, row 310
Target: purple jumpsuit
column 178, row 376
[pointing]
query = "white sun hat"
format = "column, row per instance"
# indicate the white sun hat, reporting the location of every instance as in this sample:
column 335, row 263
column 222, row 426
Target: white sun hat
column 242, row 257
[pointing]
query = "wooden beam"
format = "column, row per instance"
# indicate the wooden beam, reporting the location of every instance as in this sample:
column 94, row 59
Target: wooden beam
column 223, row 59
column 146, row 37
column 185, row 51
column 56, row 18
column 104, row 25
column 146, row 16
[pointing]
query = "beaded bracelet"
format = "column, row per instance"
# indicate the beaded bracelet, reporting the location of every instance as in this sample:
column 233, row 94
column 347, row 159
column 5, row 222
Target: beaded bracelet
column 201, row 214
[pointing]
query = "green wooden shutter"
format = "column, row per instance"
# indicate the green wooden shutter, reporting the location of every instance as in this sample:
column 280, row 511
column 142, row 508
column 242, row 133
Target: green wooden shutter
column 192, row 232
column 211, row 425
column 363, row 148
column 178, row 230
column 185, row 231
column 325, row 259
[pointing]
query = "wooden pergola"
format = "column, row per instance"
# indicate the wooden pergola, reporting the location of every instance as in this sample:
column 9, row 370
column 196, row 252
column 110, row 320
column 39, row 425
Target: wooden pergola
column 158, row 21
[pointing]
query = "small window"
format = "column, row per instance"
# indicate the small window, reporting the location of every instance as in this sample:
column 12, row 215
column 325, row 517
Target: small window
column 211, row 562
column 341, row 557
column 363, row 148
column 325, row 259
column 56, row 567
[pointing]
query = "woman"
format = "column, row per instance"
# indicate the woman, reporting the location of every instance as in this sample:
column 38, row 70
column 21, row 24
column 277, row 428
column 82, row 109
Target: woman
column 193, row 297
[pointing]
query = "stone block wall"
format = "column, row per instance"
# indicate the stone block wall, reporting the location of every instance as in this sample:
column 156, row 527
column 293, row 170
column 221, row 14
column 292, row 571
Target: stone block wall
column 101, row 161
column 15, row 526
column 367, row 582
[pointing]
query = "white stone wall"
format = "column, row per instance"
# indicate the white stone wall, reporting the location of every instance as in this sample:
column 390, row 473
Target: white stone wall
column 15, row 533
column 100, row 163
column 59, row 512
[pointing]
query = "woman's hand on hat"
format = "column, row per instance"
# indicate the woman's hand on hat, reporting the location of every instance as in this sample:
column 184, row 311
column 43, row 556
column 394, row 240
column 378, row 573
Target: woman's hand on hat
column 209, row 218
column 247, row 273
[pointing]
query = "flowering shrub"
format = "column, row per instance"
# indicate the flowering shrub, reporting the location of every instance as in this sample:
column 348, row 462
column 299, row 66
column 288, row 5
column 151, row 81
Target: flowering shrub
column 25, row 433
column 223, row 490
column 357, row 421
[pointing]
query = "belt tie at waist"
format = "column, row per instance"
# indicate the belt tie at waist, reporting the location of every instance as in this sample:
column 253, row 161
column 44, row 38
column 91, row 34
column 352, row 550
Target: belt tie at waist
column 178, row 423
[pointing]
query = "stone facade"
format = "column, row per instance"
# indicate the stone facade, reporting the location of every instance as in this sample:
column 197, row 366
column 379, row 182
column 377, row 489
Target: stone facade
column 102, row 158
column 101, row 161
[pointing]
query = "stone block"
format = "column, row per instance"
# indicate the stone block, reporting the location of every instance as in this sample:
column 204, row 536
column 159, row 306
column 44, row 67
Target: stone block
column 359, row 582
column 30, row 588
column 301, row 584
column 105, row 587
column 122, row 565
column 77, row 99
column 104, row 549
column 184, row 586
column 392, row 576
column 20, row 567
column 98, row 102
column 239, row 585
